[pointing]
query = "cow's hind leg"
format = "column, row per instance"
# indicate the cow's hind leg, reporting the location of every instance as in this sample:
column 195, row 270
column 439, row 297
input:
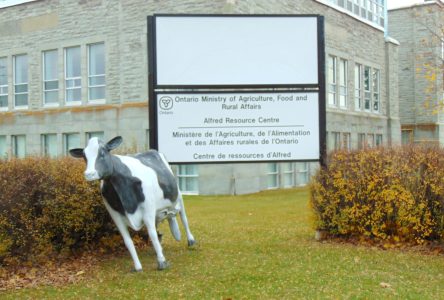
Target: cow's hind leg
column 183, row 217
column 152, row 232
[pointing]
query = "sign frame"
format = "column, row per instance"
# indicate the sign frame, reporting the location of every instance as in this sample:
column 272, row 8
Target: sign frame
column 155, row 89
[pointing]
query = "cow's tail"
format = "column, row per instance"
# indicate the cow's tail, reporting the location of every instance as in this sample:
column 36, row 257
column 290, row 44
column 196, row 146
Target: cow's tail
column 174, row 227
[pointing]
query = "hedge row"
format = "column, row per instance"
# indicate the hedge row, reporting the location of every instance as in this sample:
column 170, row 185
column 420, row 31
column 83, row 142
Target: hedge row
column 47, row 207
column 385, row 194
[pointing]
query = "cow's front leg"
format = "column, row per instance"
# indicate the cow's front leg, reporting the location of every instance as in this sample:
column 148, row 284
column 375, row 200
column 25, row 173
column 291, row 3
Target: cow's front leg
column 129, row 245
column 117, row 218
column 150, row 223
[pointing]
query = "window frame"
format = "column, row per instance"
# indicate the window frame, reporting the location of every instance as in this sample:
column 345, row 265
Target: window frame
column 273, row 173
column 376, row 90
column 332, row 81
column 343, row 83
column 288, row 173
column 305, row 171
column 358, row 87
column 91, row 134
column 4, row 88
column 184, row 177
column 45, row 145
column 90, row 76
column 66, row 145
column 73, row 79
column 3, row 141
column 15, row 84
column 56, row 79
column 15, row 145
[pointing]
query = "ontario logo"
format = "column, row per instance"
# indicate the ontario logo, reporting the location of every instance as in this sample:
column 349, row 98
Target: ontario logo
column 166, row 102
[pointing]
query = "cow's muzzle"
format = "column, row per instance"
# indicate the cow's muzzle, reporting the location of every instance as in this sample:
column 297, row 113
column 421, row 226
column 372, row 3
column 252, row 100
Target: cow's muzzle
column 91, row 175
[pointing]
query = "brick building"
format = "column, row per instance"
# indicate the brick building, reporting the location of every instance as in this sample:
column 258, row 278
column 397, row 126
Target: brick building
column 418, row 28
column 70, row 70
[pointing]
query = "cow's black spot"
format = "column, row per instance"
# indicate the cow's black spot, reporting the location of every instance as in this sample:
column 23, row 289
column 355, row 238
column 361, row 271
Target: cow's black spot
column 121, row 190
column 165, row 178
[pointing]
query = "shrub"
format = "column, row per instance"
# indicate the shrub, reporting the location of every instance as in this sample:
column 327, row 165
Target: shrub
column 386, row 194
column 47, row 207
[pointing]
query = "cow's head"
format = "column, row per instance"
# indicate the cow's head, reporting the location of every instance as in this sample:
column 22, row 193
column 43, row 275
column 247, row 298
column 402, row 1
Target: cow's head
column 97, row 156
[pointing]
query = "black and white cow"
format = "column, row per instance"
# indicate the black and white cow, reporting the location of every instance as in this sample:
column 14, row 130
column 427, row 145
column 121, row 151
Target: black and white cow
column 138, row 189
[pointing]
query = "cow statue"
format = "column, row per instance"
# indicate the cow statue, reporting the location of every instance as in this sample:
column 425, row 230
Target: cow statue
column 137, row 189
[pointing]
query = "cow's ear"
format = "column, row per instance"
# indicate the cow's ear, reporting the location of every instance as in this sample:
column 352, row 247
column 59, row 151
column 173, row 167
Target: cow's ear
column 77, row 153
column 114, row 143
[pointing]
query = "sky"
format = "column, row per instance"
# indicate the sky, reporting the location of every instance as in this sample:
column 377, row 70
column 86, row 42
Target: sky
column 400, row 3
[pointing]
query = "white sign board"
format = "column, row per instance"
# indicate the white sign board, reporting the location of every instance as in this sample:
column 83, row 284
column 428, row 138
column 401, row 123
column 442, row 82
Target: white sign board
column 236, row 50
column 238, row 126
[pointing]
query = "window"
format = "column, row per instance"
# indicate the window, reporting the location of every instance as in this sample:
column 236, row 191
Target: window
column 49, row 145
column 378, row 140
column 370, row 140
column 358, row 87
column 336, row 140
column 97, row 134
column 188, row 177
column 3, row 148
column 302, row 173
column 21, row 81
column 371, row 93
column 331, row 80
column 71, row 141
column 371, row 10
column 19, row 146
column 337, row 81
column 346, row 142
column 376, row 90
column 3, row 84
column 73, row 80
column 343, row 83
column 367, row 89
column 273, row 176
column 361, row 141
column 406, row 136
column 50, row 78
column 96, row 71
column 287, row 174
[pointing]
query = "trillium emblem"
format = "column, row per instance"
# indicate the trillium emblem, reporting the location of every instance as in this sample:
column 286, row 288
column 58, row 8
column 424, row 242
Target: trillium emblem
column 166, row 103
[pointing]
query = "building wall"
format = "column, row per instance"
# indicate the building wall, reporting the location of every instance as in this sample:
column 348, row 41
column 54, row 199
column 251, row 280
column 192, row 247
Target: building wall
column 56, row 24
column 420, row 69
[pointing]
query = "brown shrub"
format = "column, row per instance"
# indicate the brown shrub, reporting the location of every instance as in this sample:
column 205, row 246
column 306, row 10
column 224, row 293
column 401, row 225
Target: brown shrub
column 47, row 207
column 384, row 194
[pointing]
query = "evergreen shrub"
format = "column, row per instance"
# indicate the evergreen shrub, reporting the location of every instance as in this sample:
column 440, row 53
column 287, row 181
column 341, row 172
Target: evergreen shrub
column 382, row 194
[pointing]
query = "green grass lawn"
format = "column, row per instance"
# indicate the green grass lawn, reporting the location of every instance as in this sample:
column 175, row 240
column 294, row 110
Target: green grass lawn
column 258, row 246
